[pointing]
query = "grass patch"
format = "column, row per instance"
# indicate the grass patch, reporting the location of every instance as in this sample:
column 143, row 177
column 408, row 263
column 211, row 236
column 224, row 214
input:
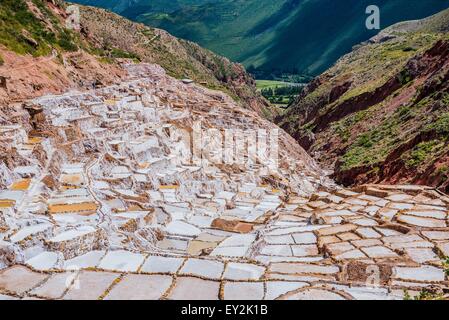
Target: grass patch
column 105, row 60
column 24, row 33
column 343, row 127
column 376, row 144
column 278, row 92
column 66, row 42
column 371, row 147
column 117, row 53
column 423, row 151
column 423, row 295
column 405, row 77
column 446, row 266
column 265, row 84
column 441, row 125
column 443, row 172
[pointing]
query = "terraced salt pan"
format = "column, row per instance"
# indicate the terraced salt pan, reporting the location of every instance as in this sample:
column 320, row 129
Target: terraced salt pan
column 287, row 268
column 423, row 273
column 436, row 235
column 284, row 231
column 188, row 288
column 277, row 288
column 173, row 244
column 122, row 261
column 239, row 241
column 243, row 271
column 368, row 233
column 230, row 252
column 45, row 261
column 14, row 195
column 243, row 291
column 201, row 221
column 428, row 214
column 29, row 231
column 19, row 279
column 399, row 197
column 140, row 287
column 285, row 239
column 304, row 238
column 277, row 250
column 379, row 252
column 400, row 206
column 304, row 250
column 422, row 255
column 203, row 268
column 415, row 244
column 88, row 260
column 176, row 212
column 74, row 219
column 90, row 285
column 182, row 228
column 132, row 214
column 273, row 259
column 422, row 222
column 71, row 234
column 157, row 264
column 368, row 293
column 313, row 294
column 350, row 255
column 55, row 286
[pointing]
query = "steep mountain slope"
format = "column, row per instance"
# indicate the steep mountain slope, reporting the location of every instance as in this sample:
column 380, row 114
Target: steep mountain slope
column 296, row 36
column 39, row 55
column 34, row 40
column 381, row 114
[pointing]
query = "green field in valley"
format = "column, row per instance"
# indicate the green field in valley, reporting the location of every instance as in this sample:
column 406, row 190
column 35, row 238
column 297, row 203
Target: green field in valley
column 279, row 92
column 265, row 84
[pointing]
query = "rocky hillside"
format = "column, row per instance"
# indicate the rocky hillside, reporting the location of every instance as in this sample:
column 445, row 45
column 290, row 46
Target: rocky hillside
column 381, row 113
column 40, row 55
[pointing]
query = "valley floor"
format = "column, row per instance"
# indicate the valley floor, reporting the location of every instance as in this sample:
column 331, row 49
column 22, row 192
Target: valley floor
column 99, row 202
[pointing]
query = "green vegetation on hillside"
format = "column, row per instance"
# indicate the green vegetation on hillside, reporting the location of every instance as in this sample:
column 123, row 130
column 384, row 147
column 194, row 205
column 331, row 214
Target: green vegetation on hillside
column 23, row 32
column 422, row 152
column 373, row 146
column 265, row 84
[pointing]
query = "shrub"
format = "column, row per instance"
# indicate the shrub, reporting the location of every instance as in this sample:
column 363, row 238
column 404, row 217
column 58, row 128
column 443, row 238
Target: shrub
column 405, row 77
column 66, row 41
column 117, row 53
column 421, row 152
column 441, row 125
column 24, row 33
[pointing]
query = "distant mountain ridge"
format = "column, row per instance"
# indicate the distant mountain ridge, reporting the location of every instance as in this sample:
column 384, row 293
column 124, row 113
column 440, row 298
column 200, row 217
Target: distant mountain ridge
column 294, row 36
